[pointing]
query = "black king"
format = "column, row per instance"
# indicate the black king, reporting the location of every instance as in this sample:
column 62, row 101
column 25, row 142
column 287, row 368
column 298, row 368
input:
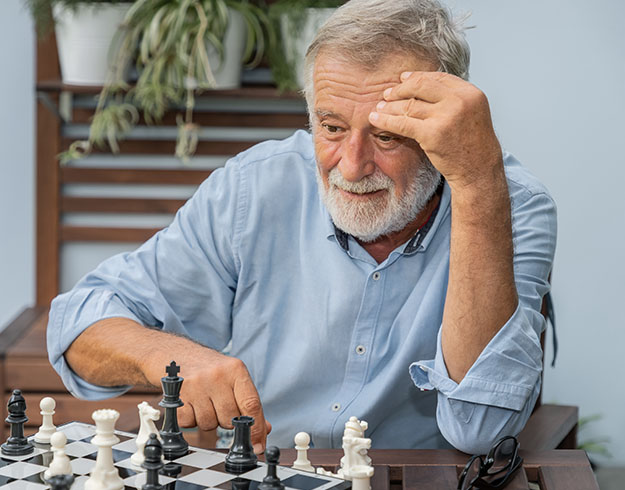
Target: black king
column 174, row 444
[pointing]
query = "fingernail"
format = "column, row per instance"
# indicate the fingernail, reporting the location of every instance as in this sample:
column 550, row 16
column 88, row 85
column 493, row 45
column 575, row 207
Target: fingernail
column 387, row 92
column 405, row 75
column 374, row 116
column 380, row 105
column 258, row 448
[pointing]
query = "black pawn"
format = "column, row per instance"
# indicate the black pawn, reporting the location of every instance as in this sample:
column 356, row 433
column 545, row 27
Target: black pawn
column 153, row 463
column 271, row 481
column 60, row 482
column 174, row 444
column 17, row 444
column 241, row 457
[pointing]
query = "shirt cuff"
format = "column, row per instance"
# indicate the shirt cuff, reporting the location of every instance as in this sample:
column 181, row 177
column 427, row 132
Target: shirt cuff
column 505, row 373
column 69, row 316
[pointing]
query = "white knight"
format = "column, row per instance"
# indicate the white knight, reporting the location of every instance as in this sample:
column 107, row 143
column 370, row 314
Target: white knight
column 147, row 415
column 355, row 464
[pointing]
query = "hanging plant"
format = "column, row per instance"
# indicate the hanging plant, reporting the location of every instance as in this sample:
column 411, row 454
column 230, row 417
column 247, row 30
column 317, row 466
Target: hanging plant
column 282, row 60
column 169, row 41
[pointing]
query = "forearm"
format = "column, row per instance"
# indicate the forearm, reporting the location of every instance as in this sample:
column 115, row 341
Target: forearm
column 120, row 351
column 481, row 294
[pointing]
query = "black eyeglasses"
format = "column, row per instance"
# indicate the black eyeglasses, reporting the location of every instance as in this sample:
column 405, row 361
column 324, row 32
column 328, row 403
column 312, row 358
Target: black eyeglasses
column 495, row 471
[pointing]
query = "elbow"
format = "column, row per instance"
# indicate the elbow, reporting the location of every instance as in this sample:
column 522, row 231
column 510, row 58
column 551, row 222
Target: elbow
column 474, row 428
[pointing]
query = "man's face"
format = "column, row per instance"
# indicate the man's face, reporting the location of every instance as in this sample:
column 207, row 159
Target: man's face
column 372, row 182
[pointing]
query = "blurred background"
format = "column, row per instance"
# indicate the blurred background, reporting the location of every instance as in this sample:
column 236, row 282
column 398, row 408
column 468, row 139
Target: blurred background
column 554, row 73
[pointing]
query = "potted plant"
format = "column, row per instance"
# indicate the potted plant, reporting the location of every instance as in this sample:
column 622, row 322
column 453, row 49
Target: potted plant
column 84, row 32
column 177, row 46
column 296, row 22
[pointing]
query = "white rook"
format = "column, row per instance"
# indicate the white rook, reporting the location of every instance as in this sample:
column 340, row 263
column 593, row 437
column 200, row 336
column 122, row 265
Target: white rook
column 104, row 475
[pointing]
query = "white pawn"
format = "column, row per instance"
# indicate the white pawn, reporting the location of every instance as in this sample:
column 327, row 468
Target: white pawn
column 47, row 406
column 302, row 444
column 60, row 464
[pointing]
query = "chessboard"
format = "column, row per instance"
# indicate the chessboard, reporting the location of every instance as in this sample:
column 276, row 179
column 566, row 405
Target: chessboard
column 199, row 469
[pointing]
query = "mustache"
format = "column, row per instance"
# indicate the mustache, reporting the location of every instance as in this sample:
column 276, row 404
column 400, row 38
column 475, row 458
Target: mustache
column 371, row 183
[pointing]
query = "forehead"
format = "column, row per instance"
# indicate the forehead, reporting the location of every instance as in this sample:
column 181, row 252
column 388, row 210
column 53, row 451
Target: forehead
column 335, row 76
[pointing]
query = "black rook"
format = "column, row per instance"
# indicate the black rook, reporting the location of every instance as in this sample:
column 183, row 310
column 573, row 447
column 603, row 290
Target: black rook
column 241, row 456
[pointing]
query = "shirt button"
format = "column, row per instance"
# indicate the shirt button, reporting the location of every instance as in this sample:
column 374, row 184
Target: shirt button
column 361, row 349
column 376, row 276
column 336, row 407
column 423, row 368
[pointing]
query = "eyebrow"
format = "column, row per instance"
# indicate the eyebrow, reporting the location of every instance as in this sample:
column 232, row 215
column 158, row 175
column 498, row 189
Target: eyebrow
column 322, row 113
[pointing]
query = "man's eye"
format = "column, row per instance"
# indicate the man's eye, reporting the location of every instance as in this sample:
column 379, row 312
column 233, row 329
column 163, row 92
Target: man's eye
column 331, row 129
column 386, row 138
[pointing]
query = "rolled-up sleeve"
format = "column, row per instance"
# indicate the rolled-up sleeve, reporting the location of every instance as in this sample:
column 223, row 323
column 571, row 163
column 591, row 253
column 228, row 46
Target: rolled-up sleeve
column 182, row 280
column 498, row 393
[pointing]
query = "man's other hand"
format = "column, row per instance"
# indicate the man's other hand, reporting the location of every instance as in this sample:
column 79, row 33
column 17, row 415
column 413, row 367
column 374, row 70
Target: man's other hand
column 450, row 119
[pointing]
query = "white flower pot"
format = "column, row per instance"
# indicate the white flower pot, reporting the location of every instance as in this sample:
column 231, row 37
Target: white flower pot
column 296, row 41
column 227, row 72
column 84, row 37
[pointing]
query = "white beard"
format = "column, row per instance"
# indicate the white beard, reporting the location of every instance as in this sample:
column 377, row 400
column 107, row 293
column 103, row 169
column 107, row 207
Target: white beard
column 381, row 215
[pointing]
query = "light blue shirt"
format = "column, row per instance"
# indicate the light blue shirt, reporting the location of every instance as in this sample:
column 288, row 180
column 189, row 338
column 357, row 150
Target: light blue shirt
column 326, row 332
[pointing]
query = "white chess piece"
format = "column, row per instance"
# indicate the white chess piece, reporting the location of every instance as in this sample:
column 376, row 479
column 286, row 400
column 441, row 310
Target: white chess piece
column 147, row 415
column 355, row 462
column 47, row 406
column 104, row 475
column 60, row 464
column 355, row 447
column 302, row 444
column 361, row 477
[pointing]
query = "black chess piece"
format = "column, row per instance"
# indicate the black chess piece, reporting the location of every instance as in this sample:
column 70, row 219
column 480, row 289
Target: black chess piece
column 174, row 444
column 153, row 463
column 17, row 444
column 60, row 482
column 271, row 481
column 241, row 457
column 240, row 484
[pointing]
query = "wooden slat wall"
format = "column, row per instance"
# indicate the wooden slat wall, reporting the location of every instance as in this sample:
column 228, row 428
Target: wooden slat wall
column 233, row 114
column 47, row 184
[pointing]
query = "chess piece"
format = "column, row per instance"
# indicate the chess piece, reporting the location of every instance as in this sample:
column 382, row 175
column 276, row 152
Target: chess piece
column 17, row 444
column 153, row 462
column 361, row 477
column 104, row 475
column 174, row 444
column 355, row 446
column 302, row 444
column 60, row 464
column 47, row 406
column 147, row 416
column 241, row 457
column 61, row 482
column 271, row 481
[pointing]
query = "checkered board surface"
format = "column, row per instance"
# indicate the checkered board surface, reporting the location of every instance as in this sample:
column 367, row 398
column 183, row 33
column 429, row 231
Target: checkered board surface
column 200, row 469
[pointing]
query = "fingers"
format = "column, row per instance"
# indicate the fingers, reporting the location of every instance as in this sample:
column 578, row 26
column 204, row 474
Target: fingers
column 403, row 125
column 406, row 107
column 428, row 86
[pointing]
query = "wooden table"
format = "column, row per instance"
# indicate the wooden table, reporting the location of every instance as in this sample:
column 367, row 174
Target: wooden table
column 560, row 469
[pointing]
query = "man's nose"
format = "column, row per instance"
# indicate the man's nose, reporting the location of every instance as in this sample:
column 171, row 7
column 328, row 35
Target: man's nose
column 356, row 158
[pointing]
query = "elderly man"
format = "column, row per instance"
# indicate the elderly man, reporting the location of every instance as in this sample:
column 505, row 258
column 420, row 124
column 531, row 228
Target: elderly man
column 397, row 245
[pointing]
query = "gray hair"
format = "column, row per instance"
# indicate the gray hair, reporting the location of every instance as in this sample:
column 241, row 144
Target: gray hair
column 366, row 31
